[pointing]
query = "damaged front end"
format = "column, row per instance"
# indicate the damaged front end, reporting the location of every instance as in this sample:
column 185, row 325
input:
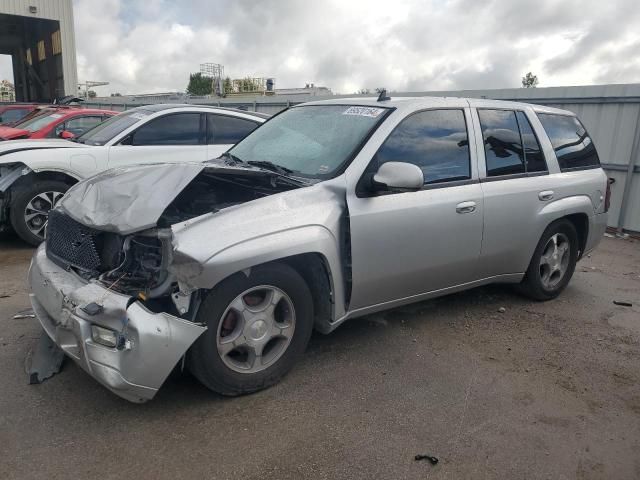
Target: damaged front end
column 105, row 286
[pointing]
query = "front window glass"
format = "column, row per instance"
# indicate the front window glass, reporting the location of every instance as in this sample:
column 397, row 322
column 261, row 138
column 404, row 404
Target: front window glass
column 108, row 129
column 176, row 129
column 314, row 141
column 434, row 140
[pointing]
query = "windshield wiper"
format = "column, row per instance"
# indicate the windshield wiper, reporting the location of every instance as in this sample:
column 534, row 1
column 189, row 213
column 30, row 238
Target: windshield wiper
column 271, row 166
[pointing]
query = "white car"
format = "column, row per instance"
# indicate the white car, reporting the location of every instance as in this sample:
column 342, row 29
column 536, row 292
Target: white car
column 35, row 174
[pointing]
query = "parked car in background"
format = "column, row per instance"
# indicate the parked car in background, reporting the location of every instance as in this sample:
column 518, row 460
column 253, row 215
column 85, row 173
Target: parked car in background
column 329, row 211
column 34, row 174
column 56, row 122
column 13, row 113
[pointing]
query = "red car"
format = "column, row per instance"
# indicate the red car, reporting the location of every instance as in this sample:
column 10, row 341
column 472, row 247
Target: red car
column 15, row 112
column 52, row 122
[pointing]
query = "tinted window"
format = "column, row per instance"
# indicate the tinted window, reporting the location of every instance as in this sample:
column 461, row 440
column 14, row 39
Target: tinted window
column 570, row 140
column 502, row 144
column 79, row 125
column 115, row 125
column 532, row 152
column 13, row 115
column 177, row 129
column 225, row 130
column 434, row 140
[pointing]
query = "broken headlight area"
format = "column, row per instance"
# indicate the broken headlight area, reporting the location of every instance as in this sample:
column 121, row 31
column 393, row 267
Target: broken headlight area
column 133, row 264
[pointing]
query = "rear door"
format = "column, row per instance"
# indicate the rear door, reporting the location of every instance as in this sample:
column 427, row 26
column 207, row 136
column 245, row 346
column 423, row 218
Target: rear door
column 406, row 244
column 175, row 137
column 224, row 131
column 516, row 185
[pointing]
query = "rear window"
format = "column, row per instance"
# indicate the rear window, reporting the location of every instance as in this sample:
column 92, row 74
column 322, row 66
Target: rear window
column 571, row 142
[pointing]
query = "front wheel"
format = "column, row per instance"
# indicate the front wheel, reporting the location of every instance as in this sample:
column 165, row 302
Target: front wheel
column 553, row 262
column 30, row 208
column 258, row 326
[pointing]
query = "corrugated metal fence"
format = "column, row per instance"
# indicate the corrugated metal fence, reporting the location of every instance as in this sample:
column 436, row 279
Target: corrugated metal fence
column 611, row 114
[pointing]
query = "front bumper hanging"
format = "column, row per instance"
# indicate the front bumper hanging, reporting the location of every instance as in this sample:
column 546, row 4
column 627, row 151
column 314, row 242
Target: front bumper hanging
column 153, row 342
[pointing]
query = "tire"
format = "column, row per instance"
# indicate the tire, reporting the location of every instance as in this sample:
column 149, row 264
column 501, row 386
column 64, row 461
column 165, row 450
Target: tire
column 539, row 283
column 25, row 197
column 241, row 371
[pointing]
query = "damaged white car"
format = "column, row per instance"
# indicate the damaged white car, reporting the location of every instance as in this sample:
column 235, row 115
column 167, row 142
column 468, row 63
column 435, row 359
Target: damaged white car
column 331, row 210
column 35, row 174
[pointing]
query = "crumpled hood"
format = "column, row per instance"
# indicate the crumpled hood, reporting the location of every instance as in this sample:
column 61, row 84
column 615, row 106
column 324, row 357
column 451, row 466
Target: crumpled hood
column 128, row 199
column 11, row 146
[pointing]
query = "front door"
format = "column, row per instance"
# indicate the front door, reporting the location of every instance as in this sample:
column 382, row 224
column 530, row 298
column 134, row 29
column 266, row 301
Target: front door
column 406, row 244
column 176, row 137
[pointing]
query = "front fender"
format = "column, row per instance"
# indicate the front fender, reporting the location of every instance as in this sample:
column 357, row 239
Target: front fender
column 267, row 248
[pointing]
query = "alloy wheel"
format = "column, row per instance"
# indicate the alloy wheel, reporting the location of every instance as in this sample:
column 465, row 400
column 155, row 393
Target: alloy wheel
column 256, row 329
column 554, row 261
column 36, row 213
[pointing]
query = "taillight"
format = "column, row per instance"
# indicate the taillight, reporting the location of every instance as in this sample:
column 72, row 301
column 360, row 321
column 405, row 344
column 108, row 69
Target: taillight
column 607, row 196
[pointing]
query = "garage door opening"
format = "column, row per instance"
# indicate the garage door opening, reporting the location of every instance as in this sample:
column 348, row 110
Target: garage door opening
column 35, row 48
column 7, row 91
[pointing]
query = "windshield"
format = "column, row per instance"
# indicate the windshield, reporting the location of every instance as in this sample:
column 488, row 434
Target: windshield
column 36, row 123
column 105, row 131
column 314, row 141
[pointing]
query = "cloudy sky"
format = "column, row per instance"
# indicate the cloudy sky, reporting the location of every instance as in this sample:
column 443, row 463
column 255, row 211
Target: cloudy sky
column 151, row 45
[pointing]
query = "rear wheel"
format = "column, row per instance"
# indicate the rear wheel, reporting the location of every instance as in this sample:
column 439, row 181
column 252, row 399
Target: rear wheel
column 30, row 208
column 258, row 326
column 553, row 262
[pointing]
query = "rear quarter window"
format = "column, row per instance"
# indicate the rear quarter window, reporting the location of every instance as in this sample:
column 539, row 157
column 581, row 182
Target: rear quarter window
column 573, row 146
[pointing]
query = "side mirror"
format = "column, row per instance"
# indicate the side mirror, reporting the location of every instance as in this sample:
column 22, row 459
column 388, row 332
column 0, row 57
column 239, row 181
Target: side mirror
column 66, row 134
column 398, row 176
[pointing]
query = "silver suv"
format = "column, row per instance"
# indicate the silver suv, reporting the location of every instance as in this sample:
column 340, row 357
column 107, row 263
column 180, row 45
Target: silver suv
column 330, row 210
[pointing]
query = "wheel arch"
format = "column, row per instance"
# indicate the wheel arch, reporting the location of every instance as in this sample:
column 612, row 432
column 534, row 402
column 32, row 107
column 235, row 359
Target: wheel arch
column 312, row 251
column 36, row 176
column 576, row 209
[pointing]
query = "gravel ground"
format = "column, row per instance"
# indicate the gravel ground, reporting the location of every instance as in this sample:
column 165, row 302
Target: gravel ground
column 541, row 390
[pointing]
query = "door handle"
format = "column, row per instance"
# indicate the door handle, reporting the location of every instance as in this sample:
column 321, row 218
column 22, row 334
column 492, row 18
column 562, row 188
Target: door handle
column 466, row 207
column 546, row 195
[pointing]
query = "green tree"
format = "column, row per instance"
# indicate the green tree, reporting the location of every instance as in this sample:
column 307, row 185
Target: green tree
column 228, row 86
column 530, row 80
column 199, row 85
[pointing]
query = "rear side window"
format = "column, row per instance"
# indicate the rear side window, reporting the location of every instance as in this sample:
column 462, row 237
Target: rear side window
column 434, row 140
column 574, row 148
column 510, row 144
column 175, row 129
column 227, row 130
column 533, row 155
column 502, row 143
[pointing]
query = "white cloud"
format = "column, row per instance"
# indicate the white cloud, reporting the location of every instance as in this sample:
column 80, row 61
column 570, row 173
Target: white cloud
column 153, row 45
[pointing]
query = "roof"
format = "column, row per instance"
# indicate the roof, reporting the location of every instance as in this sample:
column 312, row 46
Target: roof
column 410, row 103
column 158, row 107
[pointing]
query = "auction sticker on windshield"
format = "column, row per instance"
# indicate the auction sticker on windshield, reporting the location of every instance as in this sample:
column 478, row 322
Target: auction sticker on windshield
column 363, row 111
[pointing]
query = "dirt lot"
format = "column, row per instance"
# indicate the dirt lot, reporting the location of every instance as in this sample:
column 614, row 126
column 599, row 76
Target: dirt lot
column 542, row 390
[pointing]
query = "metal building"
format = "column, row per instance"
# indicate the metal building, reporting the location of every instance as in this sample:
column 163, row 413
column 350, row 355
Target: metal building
column 39, row 36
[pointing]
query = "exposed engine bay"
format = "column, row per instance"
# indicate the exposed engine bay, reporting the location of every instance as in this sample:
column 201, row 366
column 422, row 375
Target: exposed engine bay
column 137, row 264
